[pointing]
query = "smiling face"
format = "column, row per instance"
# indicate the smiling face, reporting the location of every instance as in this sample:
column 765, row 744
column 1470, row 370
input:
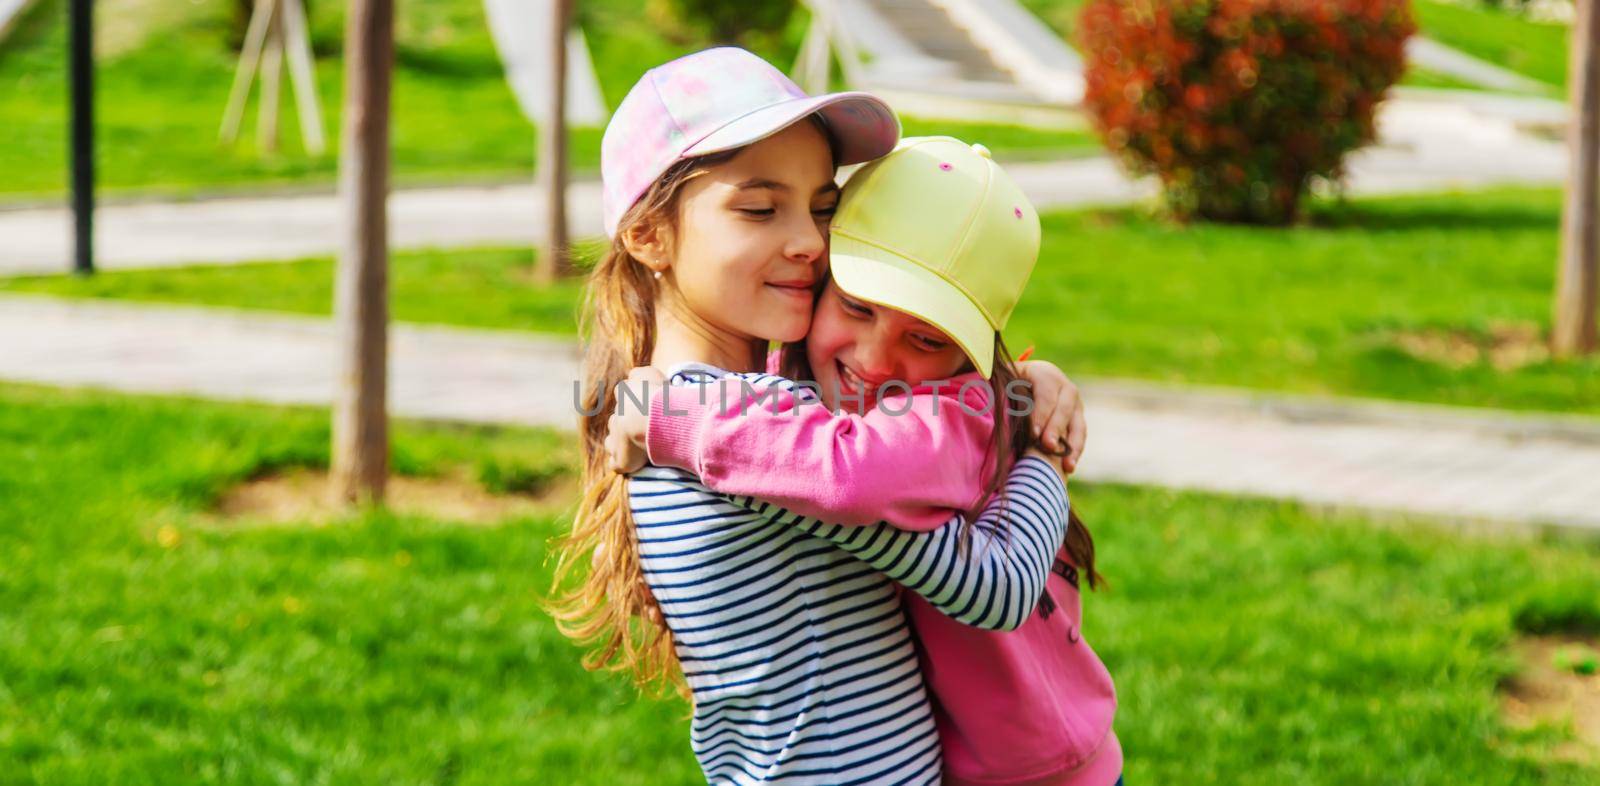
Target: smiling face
column 753, row 237
column 856, row 346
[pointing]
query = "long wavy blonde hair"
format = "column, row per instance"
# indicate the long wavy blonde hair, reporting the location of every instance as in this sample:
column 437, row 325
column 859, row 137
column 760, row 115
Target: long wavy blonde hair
column 609, row 610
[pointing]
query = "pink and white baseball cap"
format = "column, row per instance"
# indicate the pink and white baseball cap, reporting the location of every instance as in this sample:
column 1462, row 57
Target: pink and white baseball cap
column 720, row 99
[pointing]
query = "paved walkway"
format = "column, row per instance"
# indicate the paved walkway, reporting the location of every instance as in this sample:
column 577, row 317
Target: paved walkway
column 1429, row 144
column 435, row 372
column 1426, row 460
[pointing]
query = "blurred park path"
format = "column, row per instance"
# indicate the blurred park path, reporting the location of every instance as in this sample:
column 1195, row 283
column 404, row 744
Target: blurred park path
column 1463, row 464
column 435, row 372
column 1428, row 143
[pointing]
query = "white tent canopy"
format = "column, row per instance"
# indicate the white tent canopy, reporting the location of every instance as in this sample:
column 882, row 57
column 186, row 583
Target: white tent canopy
column 11, row 13
column 521, row 29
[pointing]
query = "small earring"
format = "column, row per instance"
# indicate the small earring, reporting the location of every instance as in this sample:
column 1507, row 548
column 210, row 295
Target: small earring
column 658, row 275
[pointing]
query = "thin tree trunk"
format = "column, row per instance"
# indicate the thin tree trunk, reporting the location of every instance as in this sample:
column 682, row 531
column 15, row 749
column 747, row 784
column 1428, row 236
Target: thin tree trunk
column 1574, row 325
column 555, row 261
column 360, row 418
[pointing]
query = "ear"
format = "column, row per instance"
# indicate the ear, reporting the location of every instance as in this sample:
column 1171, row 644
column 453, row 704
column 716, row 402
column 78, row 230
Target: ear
column 648, row 242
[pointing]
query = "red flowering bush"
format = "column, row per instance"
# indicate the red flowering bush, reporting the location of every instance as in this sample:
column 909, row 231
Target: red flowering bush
column 1237, row 104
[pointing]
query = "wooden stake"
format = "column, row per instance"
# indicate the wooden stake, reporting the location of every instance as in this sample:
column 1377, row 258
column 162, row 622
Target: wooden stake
column 249, row 57
column 360, row 417
column 555, row 261
column 277, row 28
column 271, row 78
column 1579, row 272
column 303, row 73
column 814, row 65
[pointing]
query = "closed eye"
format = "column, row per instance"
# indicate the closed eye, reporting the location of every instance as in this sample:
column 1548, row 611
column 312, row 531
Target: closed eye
column 928, row 344
column 855, row 309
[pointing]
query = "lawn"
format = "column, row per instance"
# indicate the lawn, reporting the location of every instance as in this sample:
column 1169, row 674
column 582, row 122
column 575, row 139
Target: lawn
column 1442, row 298
column 163, row 76
column 160, row 96
column 146, row 642
column 491, row 288
column 1533, row 49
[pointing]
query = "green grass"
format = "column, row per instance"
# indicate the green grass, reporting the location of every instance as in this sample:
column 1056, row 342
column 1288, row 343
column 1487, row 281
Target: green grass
column 1416, row 76
column 1533, row 49
column 1321, row 308
column 160, row 103
column 1011, row 143
column 1314, row 309
column 160, row 98
column 1060, row 15
column 490, row 288
column 1252, row 642
column 388, row 649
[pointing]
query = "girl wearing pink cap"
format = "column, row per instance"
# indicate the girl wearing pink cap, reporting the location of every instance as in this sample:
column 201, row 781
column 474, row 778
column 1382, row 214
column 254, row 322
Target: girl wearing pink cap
column 789, row 633
column 931, row 246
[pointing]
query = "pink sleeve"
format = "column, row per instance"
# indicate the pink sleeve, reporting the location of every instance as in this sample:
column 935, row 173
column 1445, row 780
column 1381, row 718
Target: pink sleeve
column 909, row 469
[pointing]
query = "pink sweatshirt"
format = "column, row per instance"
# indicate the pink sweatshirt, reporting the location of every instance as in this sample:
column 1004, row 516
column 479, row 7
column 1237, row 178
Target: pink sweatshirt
column 1027, row 707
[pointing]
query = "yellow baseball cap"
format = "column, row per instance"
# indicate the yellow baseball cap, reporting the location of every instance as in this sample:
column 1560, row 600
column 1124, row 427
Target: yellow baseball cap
column 938, row 230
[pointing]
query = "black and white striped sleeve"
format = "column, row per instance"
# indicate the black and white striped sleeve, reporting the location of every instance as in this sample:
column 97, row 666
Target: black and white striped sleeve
column 994, row 581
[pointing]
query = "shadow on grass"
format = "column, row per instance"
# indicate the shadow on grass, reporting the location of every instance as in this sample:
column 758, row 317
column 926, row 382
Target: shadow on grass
column 1490, row 214
column 1498, row 211
column 447, row 63
column 1569, row 605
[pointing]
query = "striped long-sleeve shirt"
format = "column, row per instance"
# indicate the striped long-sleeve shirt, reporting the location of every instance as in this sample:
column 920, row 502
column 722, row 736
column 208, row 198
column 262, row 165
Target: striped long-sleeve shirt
column 790, row 631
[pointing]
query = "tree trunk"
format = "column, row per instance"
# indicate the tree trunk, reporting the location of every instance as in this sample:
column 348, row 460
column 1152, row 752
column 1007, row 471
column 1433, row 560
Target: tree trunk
column 555, row 260
column 271, row 78
column 1574, row 325
column 361, row 300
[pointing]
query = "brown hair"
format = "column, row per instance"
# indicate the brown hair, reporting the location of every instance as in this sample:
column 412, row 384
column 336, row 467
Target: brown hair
column 1013, row 436
column 610, row 611
column 1010, row 439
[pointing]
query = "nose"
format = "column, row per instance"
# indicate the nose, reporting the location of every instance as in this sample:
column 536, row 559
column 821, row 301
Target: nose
column 807, row 242
column 873, row 357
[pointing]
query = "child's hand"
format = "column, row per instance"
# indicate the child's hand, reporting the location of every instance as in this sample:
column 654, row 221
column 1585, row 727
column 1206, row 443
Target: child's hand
column 1058, row 420
column 625, row 431
column 624, row 457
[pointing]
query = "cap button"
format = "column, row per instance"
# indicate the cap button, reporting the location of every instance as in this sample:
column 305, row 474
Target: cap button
column 982, row 151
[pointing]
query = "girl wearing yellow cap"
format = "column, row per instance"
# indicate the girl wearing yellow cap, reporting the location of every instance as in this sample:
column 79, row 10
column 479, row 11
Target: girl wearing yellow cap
column 932, row 246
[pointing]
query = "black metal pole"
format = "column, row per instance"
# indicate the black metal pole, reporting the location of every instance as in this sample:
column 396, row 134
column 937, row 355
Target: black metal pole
column 82, row 54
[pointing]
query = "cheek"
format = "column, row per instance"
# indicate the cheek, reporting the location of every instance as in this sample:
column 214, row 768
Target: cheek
column 829, row 334
column 945, row 365
column 922, row 367
column 714, row 269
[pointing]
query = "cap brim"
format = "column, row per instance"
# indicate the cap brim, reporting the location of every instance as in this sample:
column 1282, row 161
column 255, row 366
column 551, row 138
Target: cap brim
column 875, row 274
column 861, row 125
